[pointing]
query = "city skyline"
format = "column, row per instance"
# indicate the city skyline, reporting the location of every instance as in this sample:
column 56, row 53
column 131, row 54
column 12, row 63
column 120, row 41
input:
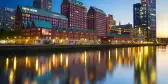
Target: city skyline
column 127, row 7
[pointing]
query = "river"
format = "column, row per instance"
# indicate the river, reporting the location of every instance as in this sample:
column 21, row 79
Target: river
column 132, row 65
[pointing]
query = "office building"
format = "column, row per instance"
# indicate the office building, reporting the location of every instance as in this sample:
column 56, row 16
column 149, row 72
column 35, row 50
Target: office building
column 145, row 18
column 97, row 20
column 149, row 14
column 43, row 4
column 75, row 12
column 137, row 13
column 7, row 18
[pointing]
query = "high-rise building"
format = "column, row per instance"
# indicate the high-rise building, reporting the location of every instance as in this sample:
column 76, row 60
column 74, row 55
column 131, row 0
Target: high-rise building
column 43, row 4
column 145, row 18
column 76, row 13
column 7, row 18
column 110, row 22
column 138, row 22
column 149, row 14
column 137, row 13
column 97, row 20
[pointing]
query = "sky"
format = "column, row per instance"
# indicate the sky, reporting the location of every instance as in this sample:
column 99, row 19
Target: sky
column 121, row 9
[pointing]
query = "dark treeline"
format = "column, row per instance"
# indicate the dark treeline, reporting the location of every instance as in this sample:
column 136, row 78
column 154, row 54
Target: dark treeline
column 4, row 33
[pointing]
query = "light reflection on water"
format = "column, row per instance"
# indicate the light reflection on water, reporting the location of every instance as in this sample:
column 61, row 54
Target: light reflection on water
column 134, row 65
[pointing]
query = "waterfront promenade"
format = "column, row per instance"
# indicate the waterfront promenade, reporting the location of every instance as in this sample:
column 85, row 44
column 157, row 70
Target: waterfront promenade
column 55, row 48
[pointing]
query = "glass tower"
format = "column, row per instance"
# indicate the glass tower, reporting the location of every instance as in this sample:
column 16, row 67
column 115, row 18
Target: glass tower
column 149, row 19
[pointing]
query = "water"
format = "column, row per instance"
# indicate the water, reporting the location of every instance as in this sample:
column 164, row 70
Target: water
column 134, row 65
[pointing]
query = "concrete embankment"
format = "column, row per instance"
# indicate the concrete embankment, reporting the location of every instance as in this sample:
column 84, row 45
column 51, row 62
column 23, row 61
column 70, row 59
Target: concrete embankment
column 61, row 48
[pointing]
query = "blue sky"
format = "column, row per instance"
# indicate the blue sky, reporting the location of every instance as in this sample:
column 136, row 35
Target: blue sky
column 121, row 9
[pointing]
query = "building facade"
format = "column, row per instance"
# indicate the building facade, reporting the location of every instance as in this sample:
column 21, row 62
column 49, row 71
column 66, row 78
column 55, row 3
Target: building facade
column 43, row 4
column 110, row 22
column 121, row 33
column 7, row 18
column 97, row 20
column 39, row 25
column 34, row 22
column 145, row 18
column 137, row 15
column 75, row 12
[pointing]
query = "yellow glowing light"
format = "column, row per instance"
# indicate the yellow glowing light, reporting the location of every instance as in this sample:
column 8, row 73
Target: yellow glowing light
column 82, row 58
column 37, row 65
column 7, row 63
column 53, row 40
column 61, row 57
column 146, row 51
column 123, row 52
column 53, row 59
column 109, row 55
column 37, row 37
column 11, row 77
column 85, row 57
column 14, row 64
column 85, row 39
column 116, row 53
column 110, row 65
column 129, row 51
column 26, row 61
column 66, row 61
column 61, row 41
column 99, row 57
column 49, row 65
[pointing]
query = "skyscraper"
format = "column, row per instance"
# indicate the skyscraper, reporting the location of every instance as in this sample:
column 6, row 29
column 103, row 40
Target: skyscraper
column 43, row 4
column 76, row 13
column 137, row 11
column 97, row 20
column 145, row 18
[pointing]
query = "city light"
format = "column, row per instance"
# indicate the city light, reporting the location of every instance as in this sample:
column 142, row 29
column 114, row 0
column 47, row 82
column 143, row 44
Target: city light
column 37, row 64
column 14, row 63
column 7, row 63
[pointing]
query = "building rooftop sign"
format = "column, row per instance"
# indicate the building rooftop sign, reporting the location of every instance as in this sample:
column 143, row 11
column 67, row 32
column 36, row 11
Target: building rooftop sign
column 42, row 12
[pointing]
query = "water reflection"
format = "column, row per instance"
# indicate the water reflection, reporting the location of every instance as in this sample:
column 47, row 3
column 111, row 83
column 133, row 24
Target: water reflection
column 87, row 67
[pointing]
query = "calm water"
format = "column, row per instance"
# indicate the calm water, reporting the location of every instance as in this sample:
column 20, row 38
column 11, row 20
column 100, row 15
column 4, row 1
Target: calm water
column 136, row 65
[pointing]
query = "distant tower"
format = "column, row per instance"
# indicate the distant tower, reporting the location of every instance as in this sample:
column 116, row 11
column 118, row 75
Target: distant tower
column 119, row 22
column 43, row 4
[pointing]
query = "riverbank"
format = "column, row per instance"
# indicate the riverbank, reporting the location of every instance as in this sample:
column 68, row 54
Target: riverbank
column 58, row 48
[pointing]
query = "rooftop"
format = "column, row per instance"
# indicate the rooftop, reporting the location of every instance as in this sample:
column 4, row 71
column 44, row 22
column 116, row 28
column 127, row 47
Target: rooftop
column 98, row 10
column 75, row 2
column 39, row 23
column 114, row 34
column 126, row 26
column 42, row 12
